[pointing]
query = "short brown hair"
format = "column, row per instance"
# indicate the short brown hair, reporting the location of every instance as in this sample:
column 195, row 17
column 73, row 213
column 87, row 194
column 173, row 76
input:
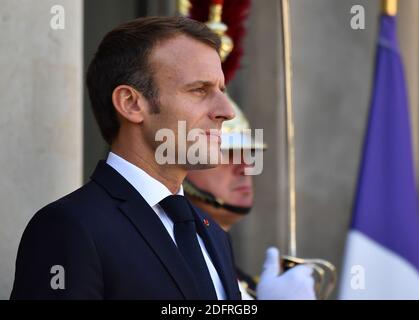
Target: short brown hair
column 122, row 58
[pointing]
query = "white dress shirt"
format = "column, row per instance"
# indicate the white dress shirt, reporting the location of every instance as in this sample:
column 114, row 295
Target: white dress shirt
column 153, row 191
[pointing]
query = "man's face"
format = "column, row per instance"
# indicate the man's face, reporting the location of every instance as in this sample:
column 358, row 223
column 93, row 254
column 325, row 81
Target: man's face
column 190, row 82
column 226, row 182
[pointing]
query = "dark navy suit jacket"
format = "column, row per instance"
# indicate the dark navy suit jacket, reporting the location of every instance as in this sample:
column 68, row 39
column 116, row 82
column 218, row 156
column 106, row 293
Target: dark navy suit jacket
column 111, row 245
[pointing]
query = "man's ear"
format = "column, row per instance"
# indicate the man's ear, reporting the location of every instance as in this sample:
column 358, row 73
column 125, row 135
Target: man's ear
column 129, row 103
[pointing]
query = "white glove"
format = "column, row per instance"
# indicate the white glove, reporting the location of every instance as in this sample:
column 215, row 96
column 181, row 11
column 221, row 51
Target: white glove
column 295, row 284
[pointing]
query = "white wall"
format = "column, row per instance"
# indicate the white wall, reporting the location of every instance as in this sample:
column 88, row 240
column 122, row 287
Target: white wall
column 41, row 116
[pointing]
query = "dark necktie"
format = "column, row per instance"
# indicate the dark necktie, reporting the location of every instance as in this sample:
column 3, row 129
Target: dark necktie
column 177, row 208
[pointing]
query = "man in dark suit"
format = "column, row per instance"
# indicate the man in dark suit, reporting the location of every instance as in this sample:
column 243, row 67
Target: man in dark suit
column 130, row 233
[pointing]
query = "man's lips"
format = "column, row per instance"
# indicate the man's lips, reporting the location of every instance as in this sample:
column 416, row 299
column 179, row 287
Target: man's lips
column 213, row 134
column 243, row 189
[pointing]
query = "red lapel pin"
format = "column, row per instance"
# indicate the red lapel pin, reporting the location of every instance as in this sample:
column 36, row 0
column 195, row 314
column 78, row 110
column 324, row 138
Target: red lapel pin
column 206, row 222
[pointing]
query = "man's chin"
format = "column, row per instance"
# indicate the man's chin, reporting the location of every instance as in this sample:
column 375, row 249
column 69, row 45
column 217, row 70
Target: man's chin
column 210, row 160
column 201, row 166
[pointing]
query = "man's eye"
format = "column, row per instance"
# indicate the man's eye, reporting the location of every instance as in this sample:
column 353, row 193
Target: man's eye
column 199, row 90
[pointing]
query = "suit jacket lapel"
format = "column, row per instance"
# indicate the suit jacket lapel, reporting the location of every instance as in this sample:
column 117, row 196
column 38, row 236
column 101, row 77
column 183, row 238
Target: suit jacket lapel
column 145, row 220
column 218, row 256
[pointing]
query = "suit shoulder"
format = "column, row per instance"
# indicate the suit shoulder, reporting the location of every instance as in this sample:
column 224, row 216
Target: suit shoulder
column 75, row 206
column 56, row 235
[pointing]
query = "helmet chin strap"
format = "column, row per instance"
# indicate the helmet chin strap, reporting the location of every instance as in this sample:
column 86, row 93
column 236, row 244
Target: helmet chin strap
column 192, row 190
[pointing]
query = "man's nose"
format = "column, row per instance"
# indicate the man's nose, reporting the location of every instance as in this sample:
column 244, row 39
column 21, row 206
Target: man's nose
column 223, row 109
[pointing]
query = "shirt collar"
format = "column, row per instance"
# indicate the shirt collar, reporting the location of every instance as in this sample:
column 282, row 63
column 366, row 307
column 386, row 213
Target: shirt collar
column 152, row 190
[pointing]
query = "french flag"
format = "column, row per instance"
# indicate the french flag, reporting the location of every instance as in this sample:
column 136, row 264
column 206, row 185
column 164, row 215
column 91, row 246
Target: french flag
column 382, row 250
